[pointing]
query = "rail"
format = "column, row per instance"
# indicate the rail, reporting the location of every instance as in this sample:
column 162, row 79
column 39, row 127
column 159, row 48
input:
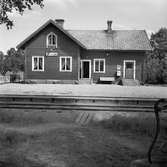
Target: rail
column 63, row 102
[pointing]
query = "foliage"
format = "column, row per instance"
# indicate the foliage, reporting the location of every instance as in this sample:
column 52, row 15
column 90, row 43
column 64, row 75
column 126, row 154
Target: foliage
column 8, row 6
column 1, row 62
column 156, row 62
column 13, row 61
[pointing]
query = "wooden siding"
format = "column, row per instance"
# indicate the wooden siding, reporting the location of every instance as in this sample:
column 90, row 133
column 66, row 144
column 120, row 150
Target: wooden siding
column 66, row 47
column 112, row 60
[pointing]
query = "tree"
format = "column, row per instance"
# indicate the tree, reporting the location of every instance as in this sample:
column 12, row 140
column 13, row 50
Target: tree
column 8, row 6
column 156, row 62
column 2, row 62
column 13, row 61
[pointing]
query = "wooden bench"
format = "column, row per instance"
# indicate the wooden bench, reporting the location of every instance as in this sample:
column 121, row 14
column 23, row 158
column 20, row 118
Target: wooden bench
column 107, row 79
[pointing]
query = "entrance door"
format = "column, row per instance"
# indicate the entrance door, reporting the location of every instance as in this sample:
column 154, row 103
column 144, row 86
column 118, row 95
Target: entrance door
column 85, row 69
column 129, row 69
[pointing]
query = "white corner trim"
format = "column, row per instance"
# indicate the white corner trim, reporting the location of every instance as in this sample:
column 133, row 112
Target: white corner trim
column 134, row 67
column 47, row 41
column 60, row 63
column 94, row 60
column 85, row 60
column 38, row 61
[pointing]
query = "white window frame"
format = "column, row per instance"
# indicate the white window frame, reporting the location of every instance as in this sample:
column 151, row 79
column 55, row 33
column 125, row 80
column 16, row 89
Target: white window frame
column 134, row 67
column 47, row 40
column 60, row 63
column 38, row 61
column 94, row 61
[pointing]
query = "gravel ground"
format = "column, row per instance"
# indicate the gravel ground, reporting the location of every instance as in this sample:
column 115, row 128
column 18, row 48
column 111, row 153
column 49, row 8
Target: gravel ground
column 85, row 90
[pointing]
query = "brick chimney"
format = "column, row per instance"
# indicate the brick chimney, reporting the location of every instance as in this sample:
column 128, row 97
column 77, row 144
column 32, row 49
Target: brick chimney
column 60, row 22
column 109, row 26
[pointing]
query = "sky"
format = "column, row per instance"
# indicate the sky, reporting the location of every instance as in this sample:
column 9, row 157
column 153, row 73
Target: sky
column 150, row 15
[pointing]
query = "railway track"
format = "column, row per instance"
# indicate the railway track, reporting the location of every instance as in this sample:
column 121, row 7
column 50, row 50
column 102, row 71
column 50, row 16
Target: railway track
column 45, row 102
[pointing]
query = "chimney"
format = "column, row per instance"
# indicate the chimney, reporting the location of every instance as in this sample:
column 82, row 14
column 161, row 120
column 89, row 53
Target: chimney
column 60, row 22
column 109, row 24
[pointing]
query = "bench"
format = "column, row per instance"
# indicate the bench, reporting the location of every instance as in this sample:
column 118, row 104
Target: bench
column 107, row 79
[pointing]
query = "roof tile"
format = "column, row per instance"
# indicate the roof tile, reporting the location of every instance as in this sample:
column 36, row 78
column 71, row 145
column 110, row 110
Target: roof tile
column 116, row 40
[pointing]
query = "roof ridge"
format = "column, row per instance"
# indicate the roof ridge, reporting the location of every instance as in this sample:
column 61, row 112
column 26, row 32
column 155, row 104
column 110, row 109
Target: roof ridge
column 82, row 30
column 105, row 30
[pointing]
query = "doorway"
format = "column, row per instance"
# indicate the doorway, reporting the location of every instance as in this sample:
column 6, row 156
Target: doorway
column 129, row 69
column 85, row 69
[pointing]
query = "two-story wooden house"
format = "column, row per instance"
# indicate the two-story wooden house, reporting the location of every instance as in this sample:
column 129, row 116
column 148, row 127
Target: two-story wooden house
column 53, row 53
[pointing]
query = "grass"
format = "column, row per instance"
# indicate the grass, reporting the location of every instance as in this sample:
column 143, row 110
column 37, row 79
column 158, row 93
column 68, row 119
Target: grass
column 26, row 117
column 19, row 118
column 61, row 143
column 74, row 147
column 141, row 123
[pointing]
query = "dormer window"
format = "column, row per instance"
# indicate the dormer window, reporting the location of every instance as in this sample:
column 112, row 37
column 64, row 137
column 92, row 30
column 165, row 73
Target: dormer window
column 51, row 40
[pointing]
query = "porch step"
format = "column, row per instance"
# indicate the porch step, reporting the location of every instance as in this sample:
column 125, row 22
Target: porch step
column 85, row 81
column 130, row 82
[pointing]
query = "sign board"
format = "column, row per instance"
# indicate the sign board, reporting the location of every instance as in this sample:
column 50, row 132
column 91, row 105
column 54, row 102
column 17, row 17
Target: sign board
column 51, row 54
column 118, row 70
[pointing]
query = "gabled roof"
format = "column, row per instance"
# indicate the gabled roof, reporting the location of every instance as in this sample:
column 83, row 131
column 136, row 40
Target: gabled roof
column 45, row 25
column 116, row 40
column 101, row 39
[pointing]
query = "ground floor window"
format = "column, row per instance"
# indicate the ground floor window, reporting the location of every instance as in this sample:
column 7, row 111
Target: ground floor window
column 37, row 63
column 65, row 64
column 99, row 65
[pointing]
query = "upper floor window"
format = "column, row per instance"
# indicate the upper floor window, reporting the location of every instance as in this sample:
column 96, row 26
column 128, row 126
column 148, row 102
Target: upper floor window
column 51, row 40
column 37, row 63
column 99, row 65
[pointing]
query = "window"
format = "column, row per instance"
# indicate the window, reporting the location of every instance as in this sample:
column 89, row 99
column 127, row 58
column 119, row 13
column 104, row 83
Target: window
column 51, row 40
column 37, row 63
column 129, row 65
column 65, row 64
column 99, row 65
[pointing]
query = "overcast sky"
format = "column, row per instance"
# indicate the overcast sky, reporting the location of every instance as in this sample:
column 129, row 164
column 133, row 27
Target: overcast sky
column 87, row 14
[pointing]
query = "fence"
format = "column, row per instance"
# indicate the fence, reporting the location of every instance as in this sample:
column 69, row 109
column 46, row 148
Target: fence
column 4, row 79
column 12, row 77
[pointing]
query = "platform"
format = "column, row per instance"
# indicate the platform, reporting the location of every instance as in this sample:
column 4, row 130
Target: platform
column 97, row 90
